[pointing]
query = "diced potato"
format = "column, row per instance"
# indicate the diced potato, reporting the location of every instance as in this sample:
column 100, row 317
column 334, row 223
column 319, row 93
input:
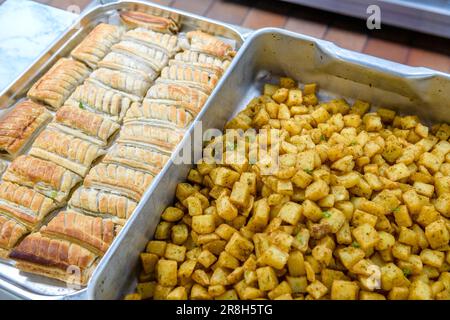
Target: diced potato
column 199, row 293
column 280, row 95
column 156, row 247
column 291, row 212
column 419, row 290
column 317, row 290
column 437, row 234
column 344, row 290
column 225, row 177
column 270, row 89
column 166, row 271
column 317, row 190
column 239, row 247
column 172, row 214
column 203, row 224
column 295, row 98
column 274, row 257
column 226, row 209
column 174, row 252
column 260, row 216
column 397, row 172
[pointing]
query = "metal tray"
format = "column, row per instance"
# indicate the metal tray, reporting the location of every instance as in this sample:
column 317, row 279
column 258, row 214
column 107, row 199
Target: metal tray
column 267, row 54
column 28, row 286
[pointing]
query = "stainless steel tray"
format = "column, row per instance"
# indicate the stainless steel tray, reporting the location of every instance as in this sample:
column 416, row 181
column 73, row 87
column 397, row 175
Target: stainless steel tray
column 27, row 286
column 267, row 54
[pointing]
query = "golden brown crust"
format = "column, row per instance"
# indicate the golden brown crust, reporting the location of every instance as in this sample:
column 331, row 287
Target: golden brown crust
column 43, row 176
column 20, row 125
column 192, row 99
column 96, row 202
column 209, row 44
column 165, row 139
column 122, row 81
column 86, row 125
column 189, row 76
column 135, row 19
column 128, row 63
column 147, row 160
column 54, row 258
column 100, row 100
column 164, row 115
column 156, row 57
column 24, row 204
column 10, row 233
column 93, row 233
column 97, row 44
column 166, row 42
column 74, row 154
column 59, row 82
column 117, row 179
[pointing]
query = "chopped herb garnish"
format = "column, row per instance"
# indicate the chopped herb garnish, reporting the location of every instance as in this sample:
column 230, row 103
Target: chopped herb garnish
column 81, row 105
column 326, row 214
column 323, row 138
column 354, row 143
column 53, row 194
column 308, row 171
column 355, row 244
column 397, row 209
column 406, row 272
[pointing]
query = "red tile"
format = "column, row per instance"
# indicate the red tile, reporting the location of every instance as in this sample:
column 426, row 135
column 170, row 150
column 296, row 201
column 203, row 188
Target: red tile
column 260, row 18
column 308, row 27
column 387, row 50
column 346, row 38
column 423, row 58
column 195, row 6
column 230, row 12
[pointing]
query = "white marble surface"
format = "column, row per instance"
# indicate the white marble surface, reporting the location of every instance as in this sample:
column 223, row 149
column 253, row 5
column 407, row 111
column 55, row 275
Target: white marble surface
column 26, row 29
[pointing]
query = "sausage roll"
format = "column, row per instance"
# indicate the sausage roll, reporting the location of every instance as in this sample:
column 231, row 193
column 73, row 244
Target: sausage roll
column 55, row 258
column 203, row 42
column 25, row 205
column 11, row 232
column 122, row 81
column 43, row 176
column 147, row 160
column 134, row 19
column 164, row 115
column 74, row 154
column 191, row 99
column 143, row 134
column 59, row 82
column 120, row 180
column 157, row 58
column 3, row 166
column 92, row 233
column 127, row 63
column 20, row 126
column 165, row 42
column 97, row 44
column 100, row 100
column 188, row 76
column 201, row 61
column 85, row 125
column 100, row 203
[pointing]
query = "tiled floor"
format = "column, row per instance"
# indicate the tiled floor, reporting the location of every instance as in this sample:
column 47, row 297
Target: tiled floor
column 390, row 43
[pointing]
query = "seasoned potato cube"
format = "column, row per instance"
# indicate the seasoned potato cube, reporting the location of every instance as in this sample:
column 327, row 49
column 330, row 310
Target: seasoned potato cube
column 290, row 212
column 366, row 236
column 156, row 247
column 282, row 289
column 437, row 234
column 219, row 277
column 302, row 179
column 420, row 290
column 274, row 257
column 295, row 98
column 344, row 290
column 392, row 276
column 401, row 251
column 350, row 256
column 260, row 217
column 194, row 206
column 270, row 89
column 267, row 278
column 442, row 204
column 372, row 122
column 296, row 264
column 397, row 172
column 166, row 271
column 203, row 224
column 317, row 290
column 430, row 161
column 225, row 231
column 162, row 231
column 133, row 296
column 312, row 211
column 322, row 254
column 178, row 293
column 172, row 214
column 146, row 289
column 261, row 118
column 360, row 107
column 206, row 258
column 432, row 258
column 199, row 293
column 201, row 277
column 186, row 269
column 226, row 260
column 161, row 292
column 386, row 115
column 280, row 95
column 225, row 177
column 180, row 233
column 239, row 247
column 149, row 261
column 226, row 209
column 240, row 194
column 398, row 293
column 402, row 217
column 174, row 252
column 288, row 83
column 309, row 88
column 317, row 190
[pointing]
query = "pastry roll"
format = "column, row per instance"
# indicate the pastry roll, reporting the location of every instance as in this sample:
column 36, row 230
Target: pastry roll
column 120, row 180
column 54, row 258
column 11, row 232
column 74, row 154
column 122, row 81
column 143, row 134
column 164, row 115
column 165, row 42
column 43, row 176
column 84, row 125
column 97, row 44
column 127, row 63
column 191, row 99
column 134, row 19
column 99, row 203
column 157, row 58
column 147, row 160
column 93, row 233
column 20, row 125
column 59, row 82
column 209, row 44
column 201, row 61
column 25, row 205
column 100, row 100
column 3, row 166
column 189, row 76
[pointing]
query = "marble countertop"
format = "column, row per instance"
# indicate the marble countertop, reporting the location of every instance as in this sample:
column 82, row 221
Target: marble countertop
column 26, row 29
